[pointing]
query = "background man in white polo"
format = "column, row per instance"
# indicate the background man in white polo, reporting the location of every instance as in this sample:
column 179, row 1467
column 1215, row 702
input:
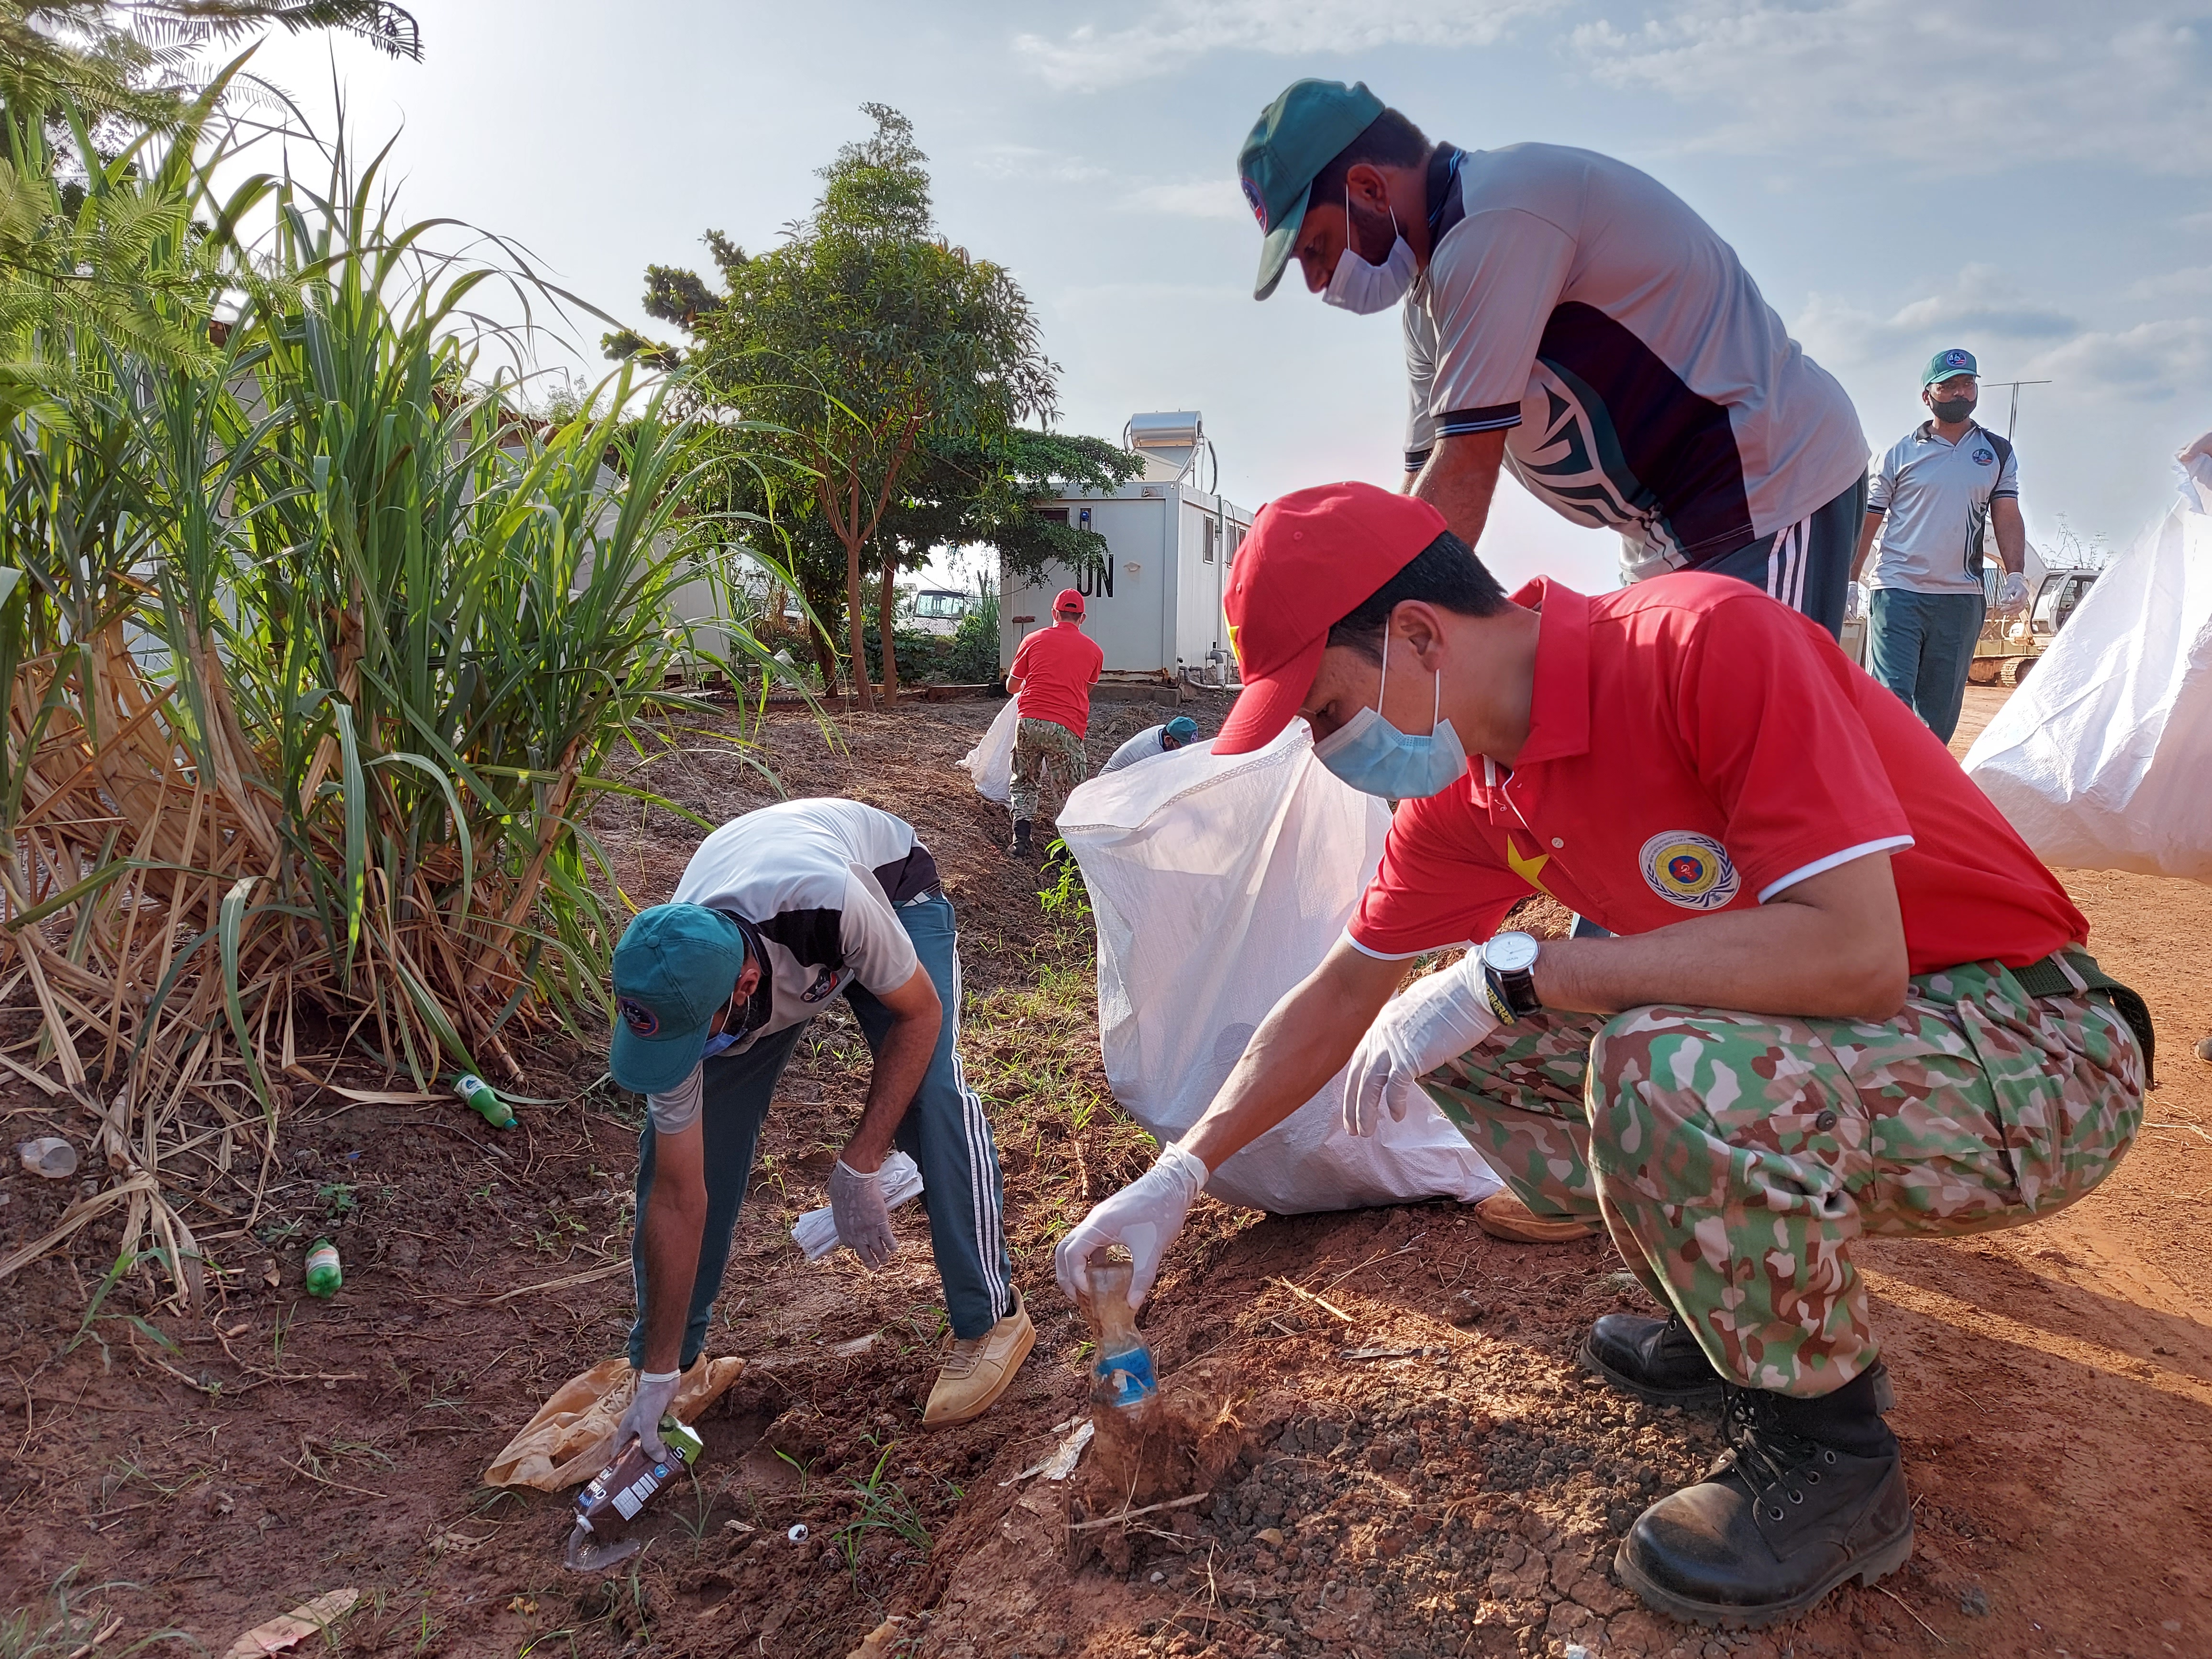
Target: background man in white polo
column 1569, row 317
column 1933, row 498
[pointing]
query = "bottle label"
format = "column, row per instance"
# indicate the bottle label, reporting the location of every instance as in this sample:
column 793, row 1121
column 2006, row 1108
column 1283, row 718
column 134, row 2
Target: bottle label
column 322, row 1255
column 1127, row 1378
column 634, row 1496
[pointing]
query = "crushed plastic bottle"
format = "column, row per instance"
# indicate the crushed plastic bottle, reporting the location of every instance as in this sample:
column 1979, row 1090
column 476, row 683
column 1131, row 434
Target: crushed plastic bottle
column 1121, row 1379
column 324, row 1274
column 479, row 1097
column 621, row 1489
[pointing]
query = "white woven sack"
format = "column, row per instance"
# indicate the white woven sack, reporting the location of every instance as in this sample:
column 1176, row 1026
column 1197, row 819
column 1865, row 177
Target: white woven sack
column 991, row 761
column 2102, row 759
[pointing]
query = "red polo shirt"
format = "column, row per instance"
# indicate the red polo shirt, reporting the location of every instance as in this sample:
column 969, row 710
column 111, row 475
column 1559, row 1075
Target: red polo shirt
column 1695, row 746
column 1057, row 667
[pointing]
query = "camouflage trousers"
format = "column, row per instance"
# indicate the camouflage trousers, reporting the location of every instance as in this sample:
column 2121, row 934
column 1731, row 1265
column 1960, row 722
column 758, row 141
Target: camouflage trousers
column 1734, row 1158
column 1039, row 744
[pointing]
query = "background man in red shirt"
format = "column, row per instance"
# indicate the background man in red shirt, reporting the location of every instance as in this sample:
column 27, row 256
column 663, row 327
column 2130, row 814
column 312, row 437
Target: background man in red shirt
column 1054, row 671
column 1841, row 996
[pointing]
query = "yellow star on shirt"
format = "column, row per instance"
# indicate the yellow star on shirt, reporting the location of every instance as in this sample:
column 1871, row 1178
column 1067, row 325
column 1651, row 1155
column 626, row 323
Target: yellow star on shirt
column 1529, row 870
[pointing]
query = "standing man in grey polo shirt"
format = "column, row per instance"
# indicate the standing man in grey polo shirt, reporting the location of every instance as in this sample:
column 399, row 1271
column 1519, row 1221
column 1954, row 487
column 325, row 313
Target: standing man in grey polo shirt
column 1570, row 318
column 1933, row 498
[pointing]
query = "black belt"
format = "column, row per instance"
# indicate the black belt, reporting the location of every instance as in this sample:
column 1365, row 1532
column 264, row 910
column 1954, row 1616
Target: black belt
column 2070, row 972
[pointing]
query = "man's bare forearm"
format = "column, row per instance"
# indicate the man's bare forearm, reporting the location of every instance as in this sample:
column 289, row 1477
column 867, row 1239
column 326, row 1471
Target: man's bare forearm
column 2012, row 533
column 1832, row 947
column 673, row 1223
column 1302, row 1042
column 1866, row 534
column 901, row 1065
column 1460, row 479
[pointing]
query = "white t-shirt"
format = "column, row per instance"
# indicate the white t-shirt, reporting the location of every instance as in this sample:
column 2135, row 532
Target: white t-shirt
column 814, row 883
column 1644, row 383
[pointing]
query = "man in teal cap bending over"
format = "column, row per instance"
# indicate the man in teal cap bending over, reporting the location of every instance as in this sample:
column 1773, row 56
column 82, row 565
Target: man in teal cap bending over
column 778, row 913
column 1570, row 318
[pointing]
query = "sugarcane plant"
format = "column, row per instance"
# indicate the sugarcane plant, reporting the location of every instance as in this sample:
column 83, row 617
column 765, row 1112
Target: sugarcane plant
column 322, row 650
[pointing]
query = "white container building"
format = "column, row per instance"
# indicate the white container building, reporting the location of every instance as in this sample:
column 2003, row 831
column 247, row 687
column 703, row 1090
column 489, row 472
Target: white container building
column 1155, row 606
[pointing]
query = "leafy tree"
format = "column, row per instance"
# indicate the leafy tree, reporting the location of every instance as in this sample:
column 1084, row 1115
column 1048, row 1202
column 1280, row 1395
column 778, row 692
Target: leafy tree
column 137, row 60
column 862, row 344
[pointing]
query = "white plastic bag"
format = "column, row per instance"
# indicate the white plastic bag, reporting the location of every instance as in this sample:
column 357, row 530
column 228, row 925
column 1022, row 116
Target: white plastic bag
column 1218, row 883
column 2102, row 759
column 991, row 761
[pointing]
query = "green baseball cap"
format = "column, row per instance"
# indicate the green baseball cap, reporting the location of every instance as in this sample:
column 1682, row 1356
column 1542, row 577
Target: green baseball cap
column 674, row 968
column 1944, row 364
column 1297, row 136
column 1182, row 728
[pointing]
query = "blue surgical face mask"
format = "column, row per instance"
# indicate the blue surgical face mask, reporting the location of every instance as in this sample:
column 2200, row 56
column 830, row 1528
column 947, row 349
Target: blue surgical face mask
column 721, row 1043
column 1376, row 758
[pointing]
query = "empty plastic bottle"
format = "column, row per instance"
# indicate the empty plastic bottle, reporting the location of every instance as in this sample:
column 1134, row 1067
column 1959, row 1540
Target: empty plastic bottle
column 480, row 1099
column 324, row 1274
column 1122, row 1376
column 621, row 1489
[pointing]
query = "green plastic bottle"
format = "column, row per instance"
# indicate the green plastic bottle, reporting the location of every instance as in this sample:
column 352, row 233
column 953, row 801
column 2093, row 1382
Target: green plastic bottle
column 480, row 1099
column 324, row 1274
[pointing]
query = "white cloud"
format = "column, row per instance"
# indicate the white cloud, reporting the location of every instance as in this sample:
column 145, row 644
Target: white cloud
column 1943, row 88
column 1168, row 36
column 2191, row 280
column 1027, row 161
column 1978, row 305
column 1194, row 198
column 2151, row 362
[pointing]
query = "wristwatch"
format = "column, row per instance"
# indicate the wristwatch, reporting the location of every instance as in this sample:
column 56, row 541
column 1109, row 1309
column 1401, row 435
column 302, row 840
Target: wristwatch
column 1508, row 976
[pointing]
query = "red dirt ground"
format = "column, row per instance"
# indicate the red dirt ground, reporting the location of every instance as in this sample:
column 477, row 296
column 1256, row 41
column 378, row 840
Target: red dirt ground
column 2055, row 1383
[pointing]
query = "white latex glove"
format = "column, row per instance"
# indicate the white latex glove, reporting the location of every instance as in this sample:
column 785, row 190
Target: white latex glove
column 2012, row 593
column 1144, row 1217
column 856, row 1201
column 1433, row 1020
column 1855, row 601
column 641, row 1422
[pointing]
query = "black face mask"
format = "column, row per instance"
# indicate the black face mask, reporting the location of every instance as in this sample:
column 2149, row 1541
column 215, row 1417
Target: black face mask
column 1952, row 411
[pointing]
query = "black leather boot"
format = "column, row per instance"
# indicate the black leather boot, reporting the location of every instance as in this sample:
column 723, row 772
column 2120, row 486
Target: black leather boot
column 1020, row 849
column 1810, row 1492
column 1654, row 1359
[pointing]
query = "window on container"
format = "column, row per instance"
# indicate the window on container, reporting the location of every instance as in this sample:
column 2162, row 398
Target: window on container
column 1205, row 540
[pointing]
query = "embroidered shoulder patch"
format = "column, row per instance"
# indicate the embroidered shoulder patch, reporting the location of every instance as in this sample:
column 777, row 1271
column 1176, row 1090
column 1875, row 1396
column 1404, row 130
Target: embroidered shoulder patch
column 1690, row 870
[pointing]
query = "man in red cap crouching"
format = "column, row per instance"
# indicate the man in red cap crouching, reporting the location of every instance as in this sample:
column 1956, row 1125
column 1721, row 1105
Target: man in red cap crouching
column 1052, row 673
column 1839, row 997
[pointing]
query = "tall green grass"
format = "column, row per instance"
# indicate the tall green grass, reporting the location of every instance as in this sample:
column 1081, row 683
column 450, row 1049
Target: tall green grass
column 323, row 652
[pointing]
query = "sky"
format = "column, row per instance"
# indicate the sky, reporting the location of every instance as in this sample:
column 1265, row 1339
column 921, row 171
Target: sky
column 2032, row 181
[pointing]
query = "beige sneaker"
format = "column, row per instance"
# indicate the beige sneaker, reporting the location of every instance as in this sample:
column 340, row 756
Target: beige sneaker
column 1503, row 1216
column 977, row 1371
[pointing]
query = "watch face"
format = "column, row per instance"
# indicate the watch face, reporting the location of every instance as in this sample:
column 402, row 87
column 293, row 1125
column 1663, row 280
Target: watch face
column 1511, row 953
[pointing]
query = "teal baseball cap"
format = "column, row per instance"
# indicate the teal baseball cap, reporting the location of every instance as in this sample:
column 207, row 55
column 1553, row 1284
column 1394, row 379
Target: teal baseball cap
column 1297, row 136
column 1944, row 364
column 1182, row 728
column 674, row 969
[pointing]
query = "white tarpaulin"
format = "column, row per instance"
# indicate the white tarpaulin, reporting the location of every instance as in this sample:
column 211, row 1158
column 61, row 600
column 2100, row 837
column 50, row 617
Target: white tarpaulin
column 991, row 761
column 2102, row 759
column 1219, row 881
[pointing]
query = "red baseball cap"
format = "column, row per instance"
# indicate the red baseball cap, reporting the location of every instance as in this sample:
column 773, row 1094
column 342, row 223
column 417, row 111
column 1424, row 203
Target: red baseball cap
column 1310, row 559
column 1069, row 599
